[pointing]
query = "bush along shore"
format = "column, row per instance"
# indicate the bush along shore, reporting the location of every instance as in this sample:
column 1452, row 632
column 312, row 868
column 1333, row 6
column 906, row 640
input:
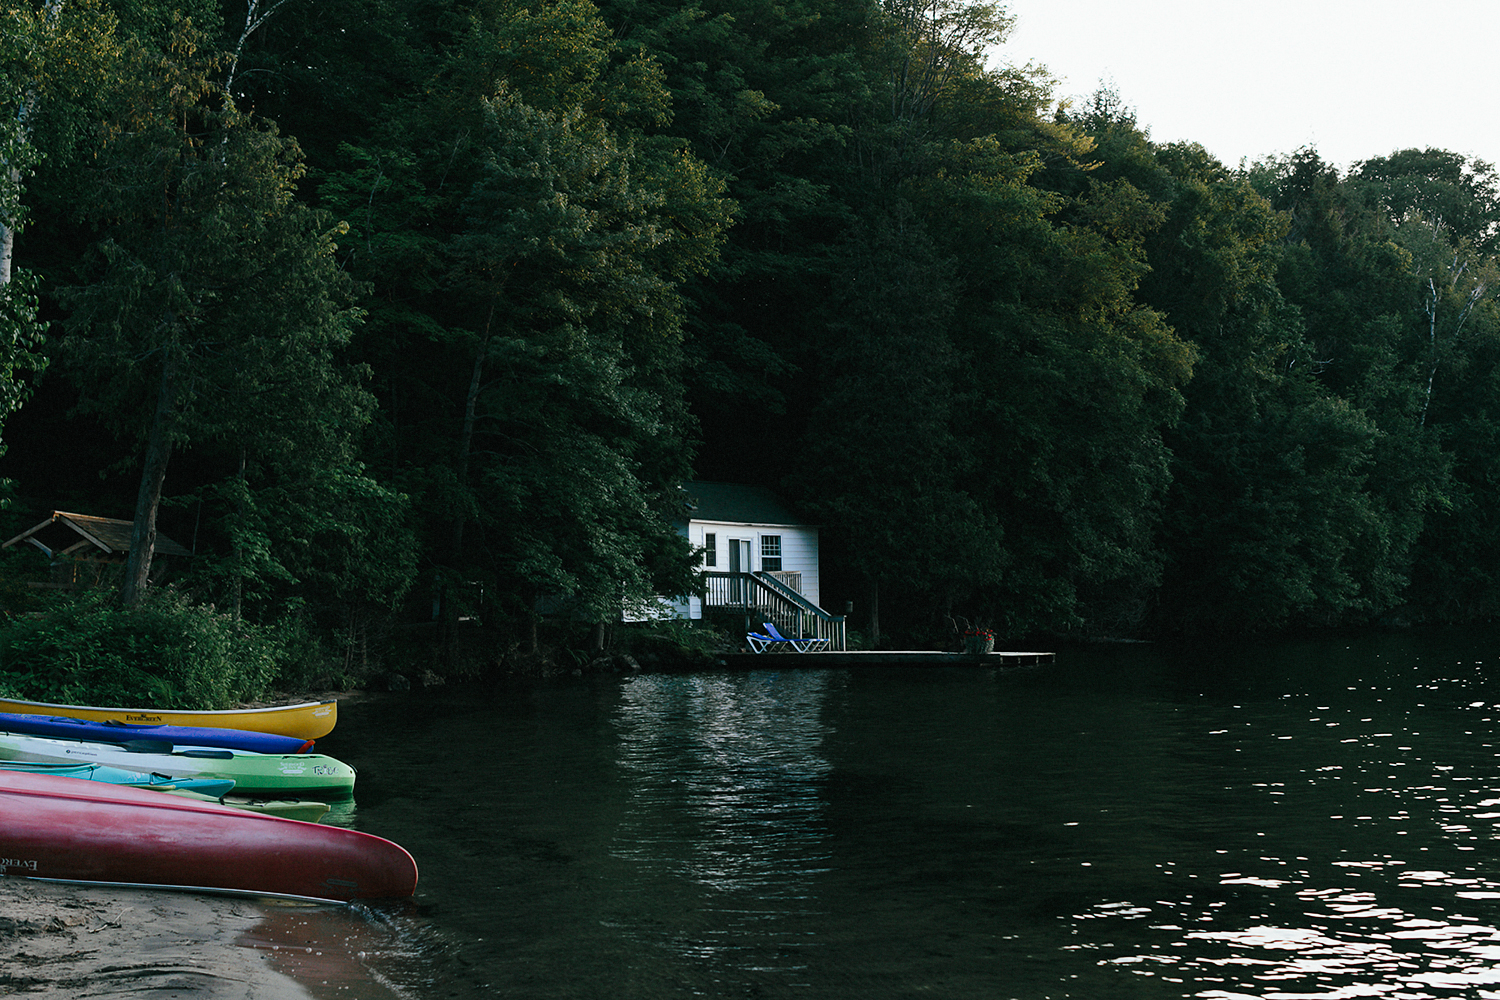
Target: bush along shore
column 168, row 651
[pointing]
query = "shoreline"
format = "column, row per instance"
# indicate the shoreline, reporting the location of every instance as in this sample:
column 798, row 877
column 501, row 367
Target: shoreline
column 75, row 942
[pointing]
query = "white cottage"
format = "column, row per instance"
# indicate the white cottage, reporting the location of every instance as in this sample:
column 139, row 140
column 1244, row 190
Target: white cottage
column 746, row 530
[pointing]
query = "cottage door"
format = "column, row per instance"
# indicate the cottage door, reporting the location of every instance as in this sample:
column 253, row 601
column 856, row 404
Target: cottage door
column 739, row 562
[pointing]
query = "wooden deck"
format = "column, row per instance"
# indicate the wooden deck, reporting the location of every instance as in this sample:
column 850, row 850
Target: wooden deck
column 883, row 658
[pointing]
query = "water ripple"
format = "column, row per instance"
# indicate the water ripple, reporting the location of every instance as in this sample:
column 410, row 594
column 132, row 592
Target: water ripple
column 725, row 812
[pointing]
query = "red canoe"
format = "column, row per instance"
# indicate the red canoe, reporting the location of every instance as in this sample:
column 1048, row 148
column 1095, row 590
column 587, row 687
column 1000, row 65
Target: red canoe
column 84, row 831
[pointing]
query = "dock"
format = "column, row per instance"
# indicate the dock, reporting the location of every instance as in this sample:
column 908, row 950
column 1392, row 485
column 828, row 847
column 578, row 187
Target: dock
column 883, row 658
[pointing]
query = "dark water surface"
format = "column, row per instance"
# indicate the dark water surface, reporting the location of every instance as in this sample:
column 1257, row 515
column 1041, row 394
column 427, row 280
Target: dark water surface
column 1290, row 820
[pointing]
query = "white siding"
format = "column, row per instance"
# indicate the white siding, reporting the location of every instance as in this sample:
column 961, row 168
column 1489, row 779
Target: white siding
column 799, row 553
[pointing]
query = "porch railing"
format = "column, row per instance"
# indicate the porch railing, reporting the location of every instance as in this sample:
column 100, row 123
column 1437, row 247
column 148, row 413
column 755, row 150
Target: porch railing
column 762, row 597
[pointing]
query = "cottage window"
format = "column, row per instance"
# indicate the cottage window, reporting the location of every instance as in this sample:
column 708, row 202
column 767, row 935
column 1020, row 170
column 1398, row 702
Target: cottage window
column 710, row 549
column 770, row 553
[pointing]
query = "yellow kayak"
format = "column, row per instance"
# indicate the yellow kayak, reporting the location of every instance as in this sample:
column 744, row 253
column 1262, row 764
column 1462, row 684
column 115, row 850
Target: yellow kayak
column 310, row 720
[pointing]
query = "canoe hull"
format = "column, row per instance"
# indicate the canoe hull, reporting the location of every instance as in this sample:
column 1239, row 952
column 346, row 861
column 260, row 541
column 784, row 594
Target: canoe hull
column 301, row 775
column 309, row 720
column 57, row 828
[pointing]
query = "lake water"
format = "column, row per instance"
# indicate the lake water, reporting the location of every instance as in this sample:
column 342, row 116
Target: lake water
column 1287, row 820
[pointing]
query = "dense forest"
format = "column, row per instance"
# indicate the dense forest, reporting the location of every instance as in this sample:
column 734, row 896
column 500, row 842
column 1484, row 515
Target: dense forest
column 400, row 308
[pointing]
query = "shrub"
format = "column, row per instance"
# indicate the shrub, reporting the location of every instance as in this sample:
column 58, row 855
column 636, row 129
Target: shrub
column 673, row 638
column 165, row 651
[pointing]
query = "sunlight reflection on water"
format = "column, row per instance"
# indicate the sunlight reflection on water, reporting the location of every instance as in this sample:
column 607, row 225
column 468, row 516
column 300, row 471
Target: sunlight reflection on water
column 1412, row 932
column 725, row 806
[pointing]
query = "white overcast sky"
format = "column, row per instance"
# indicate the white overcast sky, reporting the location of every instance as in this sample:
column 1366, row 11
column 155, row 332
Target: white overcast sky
column 1353, row 78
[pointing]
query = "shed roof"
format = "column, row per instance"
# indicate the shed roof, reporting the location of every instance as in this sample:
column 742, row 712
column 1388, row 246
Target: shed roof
column 737, row 503
column 64, row 533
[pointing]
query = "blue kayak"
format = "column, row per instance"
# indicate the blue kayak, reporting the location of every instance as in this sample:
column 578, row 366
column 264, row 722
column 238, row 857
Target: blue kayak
column 61, row 727
column 217, row 787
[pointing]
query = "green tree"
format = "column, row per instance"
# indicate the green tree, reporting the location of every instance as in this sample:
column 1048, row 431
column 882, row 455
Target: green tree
column 1275, row 517
column 884, row 464
column 1439, row 211
column 928, row 48
column 1355, row 287
column 49, row 56
column 323, row 544
column 1075, row 382
column 527, row 231
column 767, row 97
column 1038, row 386
column 1446, row 190
column 214, row 309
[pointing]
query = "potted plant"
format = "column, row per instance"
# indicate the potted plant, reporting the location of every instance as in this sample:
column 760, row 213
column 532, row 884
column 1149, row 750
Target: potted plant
column 979, row 640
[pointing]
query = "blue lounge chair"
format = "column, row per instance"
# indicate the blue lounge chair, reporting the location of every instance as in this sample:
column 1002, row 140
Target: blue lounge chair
column 811, row 644
column 760, row 643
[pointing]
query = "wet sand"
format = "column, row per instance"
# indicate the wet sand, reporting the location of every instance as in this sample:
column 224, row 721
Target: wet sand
column 79, row 942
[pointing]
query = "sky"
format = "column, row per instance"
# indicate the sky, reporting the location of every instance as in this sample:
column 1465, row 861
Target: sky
column 1355, row 79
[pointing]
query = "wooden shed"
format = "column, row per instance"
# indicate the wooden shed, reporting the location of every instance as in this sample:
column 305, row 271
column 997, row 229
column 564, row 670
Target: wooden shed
column 87, row 551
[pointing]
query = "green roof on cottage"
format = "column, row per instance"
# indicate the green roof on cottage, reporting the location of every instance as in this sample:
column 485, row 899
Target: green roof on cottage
column 737, row 503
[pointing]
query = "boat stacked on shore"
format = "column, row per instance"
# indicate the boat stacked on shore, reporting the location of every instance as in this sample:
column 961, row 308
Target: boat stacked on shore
column 217, row 801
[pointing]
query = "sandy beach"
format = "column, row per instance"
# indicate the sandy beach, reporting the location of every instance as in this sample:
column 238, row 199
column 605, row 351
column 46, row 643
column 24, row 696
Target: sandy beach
column 79, row 942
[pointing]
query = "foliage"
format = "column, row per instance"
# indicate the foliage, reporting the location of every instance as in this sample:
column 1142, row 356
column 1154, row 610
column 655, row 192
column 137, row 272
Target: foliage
column 883, row 459
column 1444, row 190
column 21, row 340
column 212, row 308
column 165, row 650
column 537, row 302
column 45, row 58
column 455, row 293
column 674, row 639
column 335, row 537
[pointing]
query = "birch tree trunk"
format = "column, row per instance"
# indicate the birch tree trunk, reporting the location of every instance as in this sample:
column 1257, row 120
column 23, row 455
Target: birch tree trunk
column 254, row 18
column 8, row 238
column 1432, row 306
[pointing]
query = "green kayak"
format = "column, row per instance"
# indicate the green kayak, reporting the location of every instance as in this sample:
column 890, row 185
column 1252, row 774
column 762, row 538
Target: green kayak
column 299, row 775
column 307, row 810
